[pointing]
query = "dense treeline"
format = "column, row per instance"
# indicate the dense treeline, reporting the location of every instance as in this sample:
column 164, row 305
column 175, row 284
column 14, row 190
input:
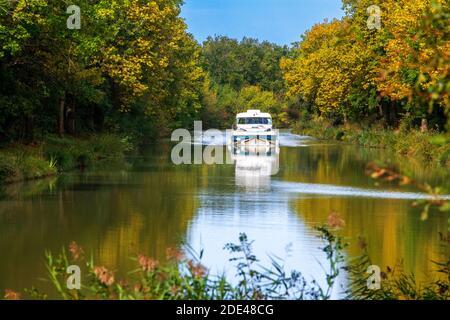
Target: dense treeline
column 349, row 71
column 245, row 63
column 243, row 75
column 132, row 67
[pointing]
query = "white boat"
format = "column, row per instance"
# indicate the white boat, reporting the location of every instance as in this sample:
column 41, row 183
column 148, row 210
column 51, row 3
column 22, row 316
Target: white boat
column 254, row 128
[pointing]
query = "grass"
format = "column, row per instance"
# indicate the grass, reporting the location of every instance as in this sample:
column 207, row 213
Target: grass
column 71, row 153
column 397, row 284
column 25, row 162
column 426, row 146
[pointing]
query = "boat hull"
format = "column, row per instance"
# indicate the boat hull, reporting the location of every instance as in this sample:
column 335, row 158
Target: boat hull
column 254, row 138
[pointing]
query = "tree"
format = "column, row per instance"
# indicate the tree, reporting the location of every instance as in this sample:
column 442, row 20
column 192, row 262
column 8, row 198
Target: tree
column 345, row 69
column 330, row 66
column 241, row 75
column 244, row 63
column 131, row 65
column 252, row 97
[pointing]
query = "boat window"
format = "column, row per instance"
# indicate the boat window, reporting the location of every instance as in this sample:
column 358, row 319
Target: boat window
column 254, row 121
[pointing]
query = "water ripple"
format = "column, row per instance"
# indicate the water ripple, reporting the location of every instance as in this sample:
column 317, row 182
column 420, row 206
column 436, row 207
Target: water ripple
column 342, row 191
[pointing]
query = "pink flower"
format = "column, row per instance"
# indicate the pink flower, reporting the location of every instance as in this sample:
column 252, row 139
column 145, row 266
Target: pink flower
column 334, row 221
column 138, row 287
column 76, row 251
column 147, row 264
column 174, row 254
column 197, row 269
column 174, row 290
column 104, row 276
column 11, row 295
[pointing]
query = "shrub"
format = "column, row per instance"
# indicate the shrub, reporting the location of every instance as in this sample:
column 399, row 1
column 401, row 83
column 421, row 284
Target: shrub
column 22, row 165
column 8, row 170
column 33, row 167
column 396, row 284
column 405, row 141
column 80, row 153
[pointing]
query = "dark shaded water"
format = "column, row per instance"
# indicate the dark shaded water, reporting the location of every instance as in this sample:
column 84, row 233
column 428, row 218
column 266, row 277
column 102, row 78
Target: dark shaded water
column 150, row 205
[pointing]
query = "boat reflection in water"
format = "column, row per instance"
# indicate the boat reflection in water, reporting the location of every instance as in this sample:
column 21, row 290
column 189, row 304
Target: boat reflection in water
column 255, row 165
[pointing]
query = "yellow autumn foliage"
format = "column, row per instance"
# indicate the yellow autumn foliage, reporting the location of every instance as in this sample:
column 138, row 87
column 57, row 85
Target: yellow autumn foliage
column 406, row 60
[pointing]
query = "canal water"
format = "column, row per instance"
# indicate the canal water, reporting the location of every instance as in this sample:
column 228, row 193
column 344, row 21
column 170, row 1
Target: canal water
column 117, row 211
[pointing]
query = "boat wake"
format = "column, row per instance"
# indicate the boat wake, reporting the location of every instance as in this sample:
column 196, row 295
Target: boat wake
column 287, row 139
column 340, row 191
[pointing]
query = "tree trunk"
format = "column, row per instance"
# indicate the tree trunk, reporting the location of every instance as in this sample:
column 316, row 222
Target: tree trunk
column 115, row 94
column 92, row 119
column 29, row 129
column 393, row 114
column 62, row 104
column 385, row 111
column 424, row 126
column 72, row 123
column 70, row 118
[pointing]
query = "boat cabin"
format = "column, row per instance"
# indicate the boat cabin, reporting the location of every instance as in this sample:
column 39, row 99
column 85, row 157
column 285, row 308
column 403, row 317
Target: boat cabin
column 254, row 120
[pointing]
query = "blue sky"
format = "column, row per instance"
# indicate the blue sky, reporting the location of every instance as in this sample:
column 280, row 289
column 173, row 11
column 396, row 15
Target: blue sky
column 279, row 21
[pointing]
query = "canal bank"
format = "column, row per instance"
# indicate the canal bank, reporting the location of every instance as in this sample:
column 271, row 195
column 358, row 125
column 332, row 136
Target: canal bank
column 54, row 155
column 428, row 146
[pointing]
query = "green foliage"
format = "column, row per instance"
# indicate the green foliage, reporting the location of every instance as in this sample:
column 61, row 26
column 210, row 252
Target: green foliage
column 244, row 63
column 427, row 146
column 242, row 75
column 7, row 167
column 131, row 65
column 254, row 98
column 396, row 284
column 70, row 153
column 23, row 163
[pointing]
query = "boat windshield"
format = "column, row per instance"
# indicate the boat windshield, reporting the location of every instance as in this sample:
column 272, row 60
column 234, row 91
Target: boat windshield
column 254, row 121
